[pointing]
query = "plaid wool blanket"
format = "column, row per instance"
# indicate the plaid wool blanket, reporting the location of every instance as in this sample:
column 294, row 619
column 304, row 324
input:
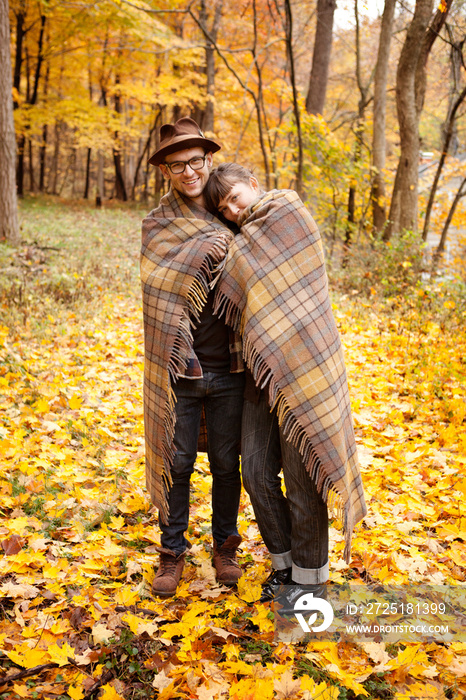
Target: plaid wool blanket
column 183, row 252
column 274, row 290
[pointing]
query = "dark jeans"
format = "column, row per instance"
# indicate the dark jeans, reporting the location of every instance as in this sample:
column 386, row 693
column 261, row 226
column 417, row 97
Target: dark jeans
column 294, row 528
column 221, row 395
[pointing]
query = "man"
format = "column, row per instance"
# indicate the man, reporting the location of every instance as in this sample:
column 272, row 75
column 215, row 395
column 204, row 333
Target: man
column 193, row 363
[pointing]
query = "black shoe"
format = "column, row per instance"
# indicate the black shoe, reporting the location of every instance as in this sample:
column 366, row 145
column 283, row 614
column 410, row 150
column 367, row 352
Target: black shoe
column 286, row 597
column 276, row 578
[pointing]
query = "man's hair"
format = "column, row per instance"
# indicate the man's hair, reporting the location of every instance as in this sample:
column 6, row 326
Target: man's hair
column 221, row 180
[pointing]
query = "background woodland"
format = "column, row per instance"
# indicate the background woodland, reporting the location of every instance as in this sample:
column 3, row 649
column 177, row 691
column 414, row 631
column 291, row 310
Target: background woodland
column 348, row 114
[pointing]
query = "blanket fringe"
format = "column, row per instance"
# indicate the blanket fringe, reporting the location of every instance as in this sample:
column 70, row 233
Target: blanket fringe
column 223, row 306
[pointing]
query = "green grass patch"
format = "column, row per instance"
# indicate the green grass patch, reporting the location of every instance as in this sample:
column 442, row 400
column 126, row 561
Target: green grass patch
column 70, row 255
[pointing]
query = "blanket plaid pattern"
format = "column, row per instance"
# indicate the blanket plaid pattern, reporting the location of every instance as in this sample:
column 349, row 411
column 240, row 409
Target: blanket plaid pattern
column 183, row 252
column 274, row 290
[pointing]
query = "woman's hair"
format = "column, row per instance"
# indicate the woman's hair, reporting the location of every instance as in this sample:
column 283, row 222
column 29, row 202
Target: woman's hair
column 221, row 180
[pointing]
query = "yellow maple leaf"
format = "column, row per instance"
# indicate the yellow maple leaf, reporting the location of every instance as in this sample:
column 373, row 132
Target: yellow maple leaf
column 251, row 688
column 110, row 549
column 126, row 596
column 59, row 655
column 248, row 591
column 101, row 634
column 424, row 691
column 324, row 692
column 18, row 526
column 117, row 522
column 405, row 657
column 32, row 658
column 139, row 625
column 75, row 693
column 110, row 693
column 238, row 667
column 60, row 627
column 42, row 406
column 75, row 402
column 21, row 690
column 262, row 620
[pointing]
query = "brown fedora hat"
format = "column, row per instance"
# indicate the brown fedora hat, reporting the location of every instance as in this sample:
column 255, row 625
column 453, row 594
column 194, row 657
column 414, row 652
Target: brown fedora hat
column 185, row 133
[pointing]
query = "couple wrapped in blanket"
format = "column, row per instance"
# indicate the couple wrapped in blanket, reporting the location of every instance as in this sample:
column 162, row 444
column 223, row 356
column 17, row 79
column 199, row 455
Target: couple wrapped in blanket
column 268, row 282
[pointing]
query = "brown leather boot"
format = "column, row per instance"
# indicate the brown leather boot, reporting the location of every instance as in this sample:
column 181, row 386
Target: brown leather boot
column 228, row 571
column 168, row 574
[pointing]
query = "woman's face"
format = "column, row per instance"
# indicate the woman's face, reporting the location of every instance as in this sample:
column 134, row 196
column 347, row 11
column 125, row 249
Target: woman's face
column 241, row 195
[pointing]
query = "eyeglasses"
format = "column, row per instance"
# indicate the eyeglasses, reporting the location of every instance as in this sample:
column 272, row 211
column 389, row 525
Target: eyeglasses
column 179, row 167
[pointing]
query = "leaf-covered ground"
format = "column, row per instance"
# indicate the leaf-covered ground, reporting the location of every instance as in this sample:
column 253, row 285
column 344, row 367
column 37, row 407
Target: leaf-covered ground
column 78, row 534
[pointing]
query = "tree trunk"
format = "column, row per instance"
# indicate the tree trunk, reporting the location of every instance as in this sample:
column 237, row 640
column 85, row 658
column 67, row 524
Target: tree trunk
column 20, row 16
column 259, row 103
column 9, row 228
column 461, row 192
column 88, row 174
column 20, row 165
column 430, row 36
column 297, row 115
column 32, row 181
column 321, row 57
column 40, row 58
column 141, row 157
column 43, row 146
column 120, row 188
column 410, row 92
column 378, row 138
column 358, row 145
column 100, row 193
column 31, row 95
column 207, row 118
column 403, row 209
column 42, row 158
column 456, row 61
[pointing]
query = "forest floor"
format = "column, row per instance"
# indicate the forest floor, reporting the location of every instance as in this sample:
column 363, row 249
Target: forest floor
column 79, row 535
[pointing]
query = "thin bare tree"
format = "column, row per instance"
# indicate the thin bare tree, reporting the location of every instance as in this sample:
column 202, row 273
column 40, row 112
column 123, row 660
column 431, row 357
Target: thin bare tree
column 379, row 117
column 9, row 228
